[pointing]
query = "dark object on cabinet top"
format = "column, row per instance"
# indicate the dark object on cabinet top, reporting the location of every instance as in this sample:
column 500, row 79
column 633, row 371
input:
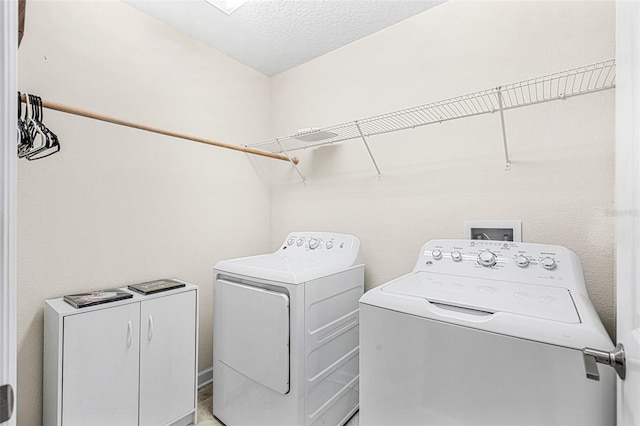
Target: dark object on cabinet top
column 157, row 286
column 82, row 300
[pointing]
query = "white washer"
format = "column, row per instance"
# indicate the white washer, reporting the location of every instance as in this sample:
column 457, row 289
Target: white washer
column 285, row 333
column 483, row 333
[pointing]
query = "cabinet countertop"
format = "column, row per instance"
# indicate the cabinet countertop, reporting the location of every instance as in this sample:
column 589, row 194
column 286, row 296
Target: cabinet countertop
column 63, row 308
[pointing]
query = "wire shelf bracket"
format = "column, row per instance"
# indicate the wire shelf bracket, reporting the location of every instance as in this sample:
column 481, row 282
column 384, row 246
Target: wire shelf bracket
column 560, row 85
column 504, row 131
column 295, row 166
column 368, row 150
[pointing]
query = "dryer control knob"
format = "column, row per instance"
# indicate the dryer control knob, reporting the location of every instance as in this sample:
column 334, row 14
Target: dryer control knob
column 486, row 258
column 290, row 241
column 522, row 261
column 437, row 254
column 314, row 243
column 548, row 263
column 456, row 256
column 329, row 244
column 300, row 242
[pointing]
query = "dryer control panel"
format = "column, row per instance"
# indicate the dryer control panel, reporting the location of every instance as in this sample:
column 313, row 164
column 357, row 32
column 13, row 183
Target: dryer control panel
column 502, row 260
column 322, row 245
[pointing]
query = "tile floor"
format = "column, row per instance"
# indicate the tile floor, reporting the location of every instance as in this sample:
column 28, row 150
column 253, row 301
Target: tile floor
column 206, row 418
column 205, row 402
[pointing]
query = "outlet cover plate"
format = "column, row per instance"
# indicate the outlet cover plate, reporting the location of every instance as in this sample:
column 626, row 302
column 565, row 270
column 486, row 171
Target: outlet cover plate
column 497, row 230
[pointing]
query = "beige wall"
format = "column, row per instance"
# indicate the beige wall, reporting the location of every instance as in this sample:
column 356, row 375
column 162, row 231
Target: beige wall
column 118, row 205
column 438, row 176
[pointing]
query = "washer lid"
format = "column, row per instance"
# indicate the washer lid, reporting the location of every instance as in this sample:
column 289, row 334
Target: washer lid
column 551, row 303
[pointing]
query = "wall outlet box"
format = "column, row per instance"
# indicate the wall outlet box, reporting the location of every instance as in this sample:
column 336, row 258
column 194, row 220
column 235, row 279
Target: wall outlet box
column 495, row 230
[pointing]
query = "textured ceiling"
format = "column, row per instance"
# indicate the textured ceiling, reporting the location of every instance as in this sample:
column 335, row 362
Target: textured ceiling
column 273, row 36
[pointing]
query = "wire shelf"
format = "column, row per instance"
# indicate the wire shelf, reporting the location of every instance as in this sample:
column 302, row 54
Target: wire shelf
column 559, row 85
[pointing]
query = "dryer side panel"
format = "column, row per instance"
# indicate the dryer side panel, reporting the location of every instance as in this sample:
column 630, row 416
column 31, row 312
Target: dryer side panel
column 331, row 347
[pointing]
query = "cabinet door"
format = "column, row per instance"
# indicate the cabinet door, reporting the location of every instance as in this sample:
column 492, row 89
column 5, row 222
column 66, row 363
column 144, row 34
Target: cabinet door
column 167, row 358
column 100, row 367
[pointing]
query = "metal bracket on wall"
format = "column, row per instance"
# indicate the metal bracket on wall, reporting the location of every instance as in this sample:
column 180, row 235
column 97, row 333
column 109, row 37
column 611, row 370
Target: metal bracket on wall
column 368, row 150
column 504, row 131
column 284, row 151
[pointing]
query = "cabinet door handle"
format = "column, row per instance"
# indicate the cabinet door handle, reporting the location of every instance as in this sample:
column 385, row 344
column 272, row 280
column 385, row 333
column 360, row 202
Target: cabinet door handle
column 129, row 333
column 150, row 333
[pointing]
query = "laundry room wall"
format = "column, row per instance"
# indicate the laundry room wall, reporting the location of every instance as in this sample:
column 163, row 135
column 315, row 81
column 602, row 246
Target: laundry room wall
column 116, row 205
column 436, row 177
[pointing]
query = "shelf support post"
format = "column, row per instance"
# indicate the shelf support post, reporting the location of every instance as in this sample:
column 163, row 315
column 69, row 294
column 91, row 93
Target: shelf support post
column 504, row 131
column 295, row 166
column 368, row 149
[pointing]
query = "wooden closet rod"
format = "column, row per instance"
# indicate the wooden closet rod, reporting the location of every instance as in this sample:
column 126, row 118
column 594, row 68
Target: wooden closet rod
column 89, row 114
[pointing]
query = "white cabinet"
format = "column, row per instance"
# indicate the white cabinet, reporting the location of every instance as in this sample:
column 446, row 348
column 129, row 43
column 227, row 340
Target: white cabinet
column 101, row 364
column 131, row 362
column 167, row 381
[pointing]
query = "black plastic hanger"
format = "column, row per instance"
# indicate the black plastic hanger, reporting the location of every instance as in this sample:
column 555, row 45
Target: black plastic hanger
column 45, row 141
column 23, row 137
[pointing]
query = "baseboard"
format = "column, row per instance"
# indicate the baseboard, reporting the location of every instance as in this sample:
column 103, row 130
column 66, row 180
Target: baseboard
column 205, row 377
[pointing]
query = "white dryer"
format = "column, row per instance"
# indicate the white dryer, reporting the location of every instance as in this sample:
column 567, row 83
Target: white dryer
column 483, row 333
column 285, row 333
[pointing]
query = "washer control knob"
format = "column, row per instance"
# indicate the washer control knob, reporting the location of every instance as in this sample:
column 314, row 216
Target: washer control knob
column 299, row 242
column 487, row 258
column 314, row 243
column 437, row 254
column 522, row 261
column 290, row 241
column 456, row 256
column 329, row 244
column 548, row 263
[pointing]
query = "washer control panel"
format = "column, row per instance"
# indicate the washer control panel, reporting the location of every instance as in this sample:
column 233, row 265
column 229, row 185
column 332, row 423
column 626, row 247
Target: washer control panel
column 503, row 260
